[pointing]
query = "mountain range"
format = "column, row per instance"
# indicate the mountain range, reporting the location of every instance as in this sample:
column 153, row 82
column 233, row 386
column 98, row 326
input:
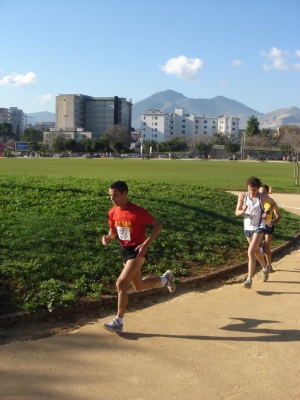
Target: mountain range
column 168, row 100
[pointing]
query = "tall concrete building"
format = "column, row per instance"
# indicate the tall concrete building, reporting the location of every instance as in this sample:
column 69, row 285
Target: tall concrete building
column 162, row 126
column 95, row 114
column 15, row 118
column 4, row 115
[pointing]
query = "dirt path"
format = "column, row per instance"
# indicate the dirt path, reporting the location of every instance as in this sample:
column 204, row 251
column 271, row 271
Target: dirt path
column 216, row 342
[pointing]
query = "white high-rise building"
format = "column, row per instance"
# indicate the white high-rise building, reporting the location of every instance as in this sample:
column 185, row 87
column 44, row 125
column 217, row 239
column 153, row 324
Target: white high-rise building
column 162, row 126
column 16, row 119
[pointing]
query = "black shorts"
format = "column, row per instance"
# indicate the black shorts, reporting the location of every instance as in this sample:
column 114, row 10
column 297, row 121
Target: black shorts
column 128, row 253
column 269, row 231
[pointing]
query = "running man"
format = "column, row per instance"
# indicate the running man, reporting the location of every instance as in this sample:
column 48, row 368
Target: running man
column 127, row 221
column 272, row 218
column 251, row 206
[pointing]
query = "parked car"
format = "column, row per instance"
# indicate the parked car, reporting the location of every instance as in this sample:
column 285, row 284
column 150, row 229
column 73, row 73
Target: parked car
column 162, row 156
column 251, row 159
column 56, row 155
column 87, row 156
column 183, row 156
column 124, row 156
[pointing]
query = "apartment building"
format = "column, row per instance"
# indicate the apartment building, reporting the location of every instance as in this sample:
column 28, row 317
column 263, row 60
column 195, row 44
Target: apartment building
column 14, row 116
column 162, row 126
column 95, row 114
column 4, row 115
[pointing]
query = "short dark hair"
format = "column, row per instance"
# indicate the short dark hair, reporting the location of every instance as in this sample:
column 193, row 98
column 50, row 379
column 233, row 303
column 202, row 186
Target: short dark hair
column 252, row 181
column 265, row 187
column 121, row 186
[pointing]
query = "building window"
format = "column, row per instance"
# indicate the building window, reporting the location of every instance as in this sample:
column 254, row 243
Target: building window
column 205, row 132
column 183, row 126
column 183, row 132
column 214, row 127
column 172, row 122
column 205, row 122
column 233, row 123
column 155, row 123
column 155, row 129
column 196, row 127
column 214, row 122
column 155, row 135
column 155, row 117
column 144, row 117
column 233, row 129
column 144, row 135
column 196, row 132
column 197, row 121
column 205, row 127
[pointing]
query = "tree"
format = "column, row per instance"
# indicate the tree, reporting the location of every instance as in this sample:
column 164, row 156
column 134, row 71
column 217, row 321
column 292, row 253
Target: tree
column 6, row 131
column 117, row 146
column 176, row 144
column 252, row 126
column 32, row 135
column 162, row 147
column 203, row 148
column 58, row 143
column 231, row 147
column 118, row 133
column 149, row 143
column 290, row 140
column 33, row 146
column 87, row 144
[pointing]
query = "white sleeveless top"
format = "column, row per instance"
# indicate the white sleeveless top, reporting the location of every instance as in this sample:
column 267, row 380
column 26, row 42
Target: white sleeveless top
column 252, row 216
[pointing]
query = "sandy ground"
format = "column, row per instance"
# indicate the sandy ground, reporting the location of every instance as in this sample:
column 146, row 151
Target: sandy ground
column 215, row 342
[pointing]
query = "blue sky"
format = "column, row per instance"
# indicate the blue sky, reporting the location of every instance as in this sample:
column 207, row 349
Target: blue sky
column 248, row 51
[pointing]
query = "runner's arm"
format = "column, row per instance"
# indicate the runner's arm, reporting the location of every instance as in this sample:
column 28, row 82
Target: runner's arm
column 241, row 206
column 112, row 234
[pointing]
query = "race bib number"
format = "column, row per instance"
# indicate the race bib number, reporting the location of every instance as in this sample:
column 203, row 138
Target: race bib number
column 123, row 233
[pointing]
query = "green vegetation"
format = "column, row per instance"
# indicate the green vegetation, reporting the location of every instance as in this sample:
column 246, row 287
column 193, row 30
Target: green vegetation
column 51, row 224
column 218, row 174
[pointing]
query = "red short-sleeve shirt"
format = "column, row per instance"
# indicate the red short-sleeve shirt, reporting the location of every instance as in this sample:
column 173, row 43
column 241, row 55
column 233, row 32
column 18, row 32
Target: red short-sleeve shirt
column 130, row 223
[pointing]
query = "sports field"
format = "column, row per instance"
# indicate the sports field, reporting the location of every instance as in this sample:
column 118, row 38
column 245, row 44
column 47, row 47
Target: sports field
column 226, row 175
column 54, row 213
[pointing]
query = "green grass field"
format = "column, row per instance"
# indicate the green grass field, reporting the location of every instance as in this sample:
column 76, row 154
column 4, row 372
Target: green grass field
column 224, row 175
column 54, row 213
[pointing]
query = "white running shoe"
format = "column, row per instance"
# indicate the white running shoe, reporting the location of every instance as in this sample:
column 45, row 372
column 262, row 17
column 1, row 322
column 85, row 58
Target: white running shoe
column 247, row 284
column 114, row 326
column 265, row 274
column 171, row 285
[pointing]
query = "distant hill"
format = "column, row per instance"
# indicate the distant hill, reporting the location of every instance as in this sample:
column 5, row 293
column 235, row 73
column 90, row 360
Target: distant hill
column 168, row 100
column 280, row 117
column 42, row 116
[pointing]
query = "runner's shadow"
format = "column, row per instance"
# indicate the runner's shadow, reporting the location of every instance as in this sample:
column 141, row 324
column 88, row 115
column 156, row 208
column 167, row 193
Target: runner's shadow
column 272, row 293
column 246, row 325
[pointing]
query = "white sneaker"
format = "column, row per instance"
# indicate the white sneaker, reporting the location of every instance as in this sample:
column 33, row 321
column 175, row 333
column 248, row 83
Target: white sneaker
column 114, row 326
column 247, row 284
column 171, row 285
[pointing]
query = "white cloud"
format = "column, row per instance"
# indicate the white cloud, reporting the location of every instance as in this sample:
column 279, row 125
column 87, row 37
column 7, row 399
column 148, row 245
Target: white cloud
column 183, row 67
column 44, row 98
column 296, row 67
column 278, row 59
column 19, row 80
column 237, row 63
column 223, row 83
column 297, row 52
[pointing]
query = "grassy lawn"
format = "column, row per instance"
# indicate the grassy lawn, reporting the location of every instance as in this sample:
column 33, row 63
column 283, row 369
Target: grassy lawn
column 54, row 212
column 218, row 174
